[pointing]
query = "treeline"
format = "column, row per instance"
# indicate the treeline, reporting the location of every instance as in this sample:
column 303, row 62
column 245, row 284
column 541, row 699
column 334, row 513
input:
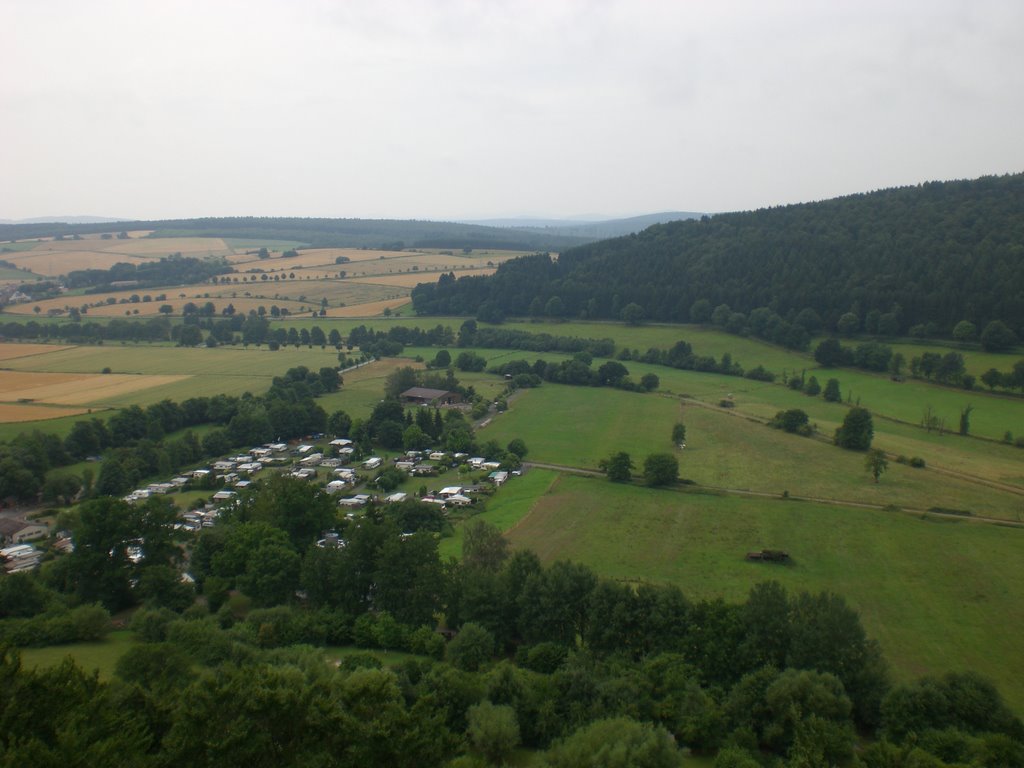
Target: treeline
column 133, row 440
column 170, row 270
column 392, row 234
column 390, row 343
column 115, row 329
column 949, row 368
column 547, row 657
column 578, row 372
column 918, row 259
column 230, row 327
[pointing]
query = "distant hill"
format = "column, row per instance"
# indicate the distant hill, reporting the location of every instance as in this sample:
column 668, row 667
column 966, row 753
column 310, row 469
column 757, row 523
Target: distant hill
column 917, row 259
column 324, row 233
column 590, row 230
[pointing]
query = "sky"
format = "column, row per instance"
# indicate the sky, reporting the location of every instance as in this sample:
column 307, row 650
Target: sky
column 461, row 110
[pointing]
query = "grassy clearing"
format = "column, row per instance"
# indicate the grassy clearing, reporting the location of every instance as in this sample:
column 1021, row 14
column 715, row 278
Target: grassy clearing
column 363, row 387
column 335, row 653
column 100, row 656
column 579, row 426
column 930, row 592
column 507, row 508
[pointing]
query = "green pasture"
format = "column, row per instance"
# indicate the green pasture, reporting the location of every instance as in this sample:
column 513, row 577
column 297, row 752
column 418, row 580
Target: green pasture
column 579, row 426
column 8, row 246
column 506, row 508
column 60, row 427
column 193, row 361
column 6, row 273
column 938, row 595
column 100, row 656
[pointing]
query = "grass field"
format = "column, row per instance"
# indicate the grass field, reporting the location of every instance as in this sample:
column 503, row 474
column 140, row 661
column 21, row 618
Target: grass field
column 579, row 426
column 506, row 508
column 938, row 596
column 100, row 656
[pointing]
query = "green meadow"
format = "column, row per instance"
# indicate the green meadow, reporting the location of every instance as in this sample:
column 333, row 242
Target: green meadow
column 937, row 595
column 100, row 656
column 579, row 426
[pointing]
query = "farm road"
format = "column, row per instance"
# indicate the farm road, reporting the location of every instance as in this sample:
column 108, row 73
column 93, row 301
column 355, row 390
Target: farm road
column 717, row 490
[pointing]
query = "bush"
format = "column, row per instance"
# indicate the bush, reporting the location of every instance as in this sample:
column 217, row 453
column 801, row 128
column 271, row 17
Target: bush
column 426, row 642
column 857, row 430
column 361, row 660
column 917, row 462
column 793, row 421
column 471, row 648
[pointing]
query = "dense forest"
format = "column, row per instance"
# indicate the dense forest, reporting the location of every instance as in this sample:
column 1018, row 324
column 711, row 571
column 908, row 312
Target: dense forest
column 910, row 260
column 320, row 233
column 548, row 657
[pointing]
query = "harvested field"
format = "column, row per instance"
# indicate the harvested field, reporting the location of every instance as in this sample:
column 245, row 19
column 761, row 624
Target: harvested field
column 75, row 388
column 322, row 257
column 15, row 413
column 412, row 279
column 370, row 309
column 52, row 262
column 12, row 351
column 162, row 246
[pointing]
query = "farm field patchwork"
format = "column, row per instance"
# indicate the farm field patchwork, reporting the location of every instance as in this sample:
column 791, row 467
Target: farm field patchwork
column 932, row 592
column 142, row 374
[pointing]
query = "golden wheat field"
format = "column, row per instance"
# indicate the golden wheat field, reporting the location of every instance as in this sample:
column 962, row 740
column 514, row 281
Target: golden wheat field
column 370, row 309
column 15, row 413
column 54, row 263
column 12, row 351
column 74, row 388
column 412, row 279
column 162, row 246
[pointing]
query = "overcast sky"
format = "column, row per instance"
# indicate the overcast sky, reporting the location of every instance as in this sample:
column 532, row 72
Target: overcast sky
column 448, row 110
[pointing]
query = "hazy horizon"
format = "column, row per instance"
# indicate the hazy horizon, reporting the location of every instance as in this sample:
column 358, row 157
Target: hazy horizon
column 460, row 111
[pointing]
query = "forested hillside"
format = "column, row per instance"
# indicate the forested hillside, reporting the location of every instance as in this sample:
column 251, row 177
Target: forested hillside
column 914, row 259
column 320, row 233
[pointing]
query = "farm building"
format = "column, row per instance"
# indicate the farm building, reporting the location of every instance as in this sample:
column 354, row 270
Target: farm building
column 427, row 396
